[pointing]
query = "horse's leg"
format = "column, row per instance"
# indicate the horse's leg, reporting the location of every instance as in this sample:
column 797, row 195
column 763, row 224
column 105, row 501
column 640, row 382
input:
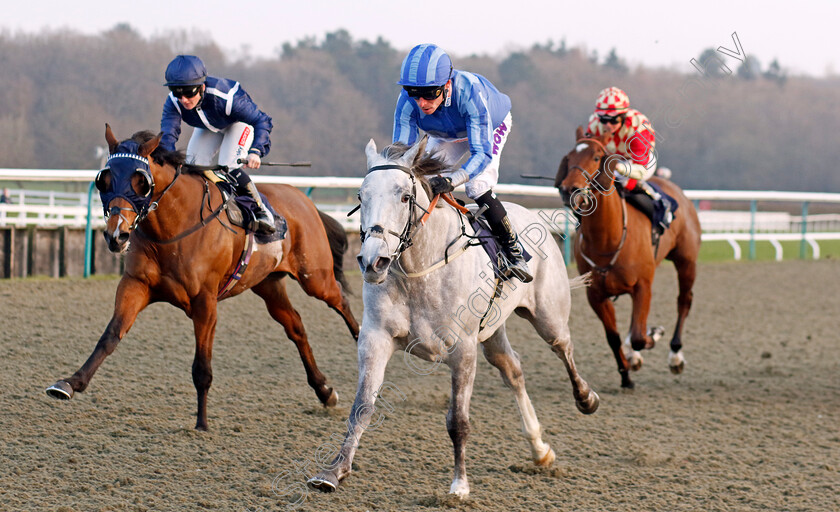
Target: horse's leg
column 131, row 297
column 273, row 291
column 605, row 310
column 462, row 363
column 374, row 349
column 498, row 352
column 686, row 272
column 203, row 313
column 331, row 292
column 634, row 357
column 640, row 339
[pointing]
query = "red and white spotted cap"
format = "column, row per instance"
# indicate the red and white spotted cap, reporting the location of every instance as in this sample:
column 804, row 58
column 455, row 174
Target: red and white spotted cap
column 612, row 102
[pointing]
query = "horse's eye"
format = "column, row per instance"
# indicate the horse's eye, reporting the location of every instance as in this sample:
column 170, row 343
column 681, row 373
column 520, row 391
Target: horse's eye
column 142, row 184
column 103, row 180
column 406, row 198
column 597, row 158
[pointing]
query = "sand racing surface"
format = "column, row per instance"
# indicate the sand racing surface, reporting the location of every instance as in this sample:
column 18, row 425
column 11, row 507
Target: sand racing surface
column 752, row 424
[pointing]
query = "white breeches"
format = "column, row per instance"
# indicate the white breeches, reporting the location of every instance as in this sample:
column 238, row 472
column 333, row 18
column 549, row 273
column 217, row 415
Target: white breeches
column 229, row 144
column 454, row 150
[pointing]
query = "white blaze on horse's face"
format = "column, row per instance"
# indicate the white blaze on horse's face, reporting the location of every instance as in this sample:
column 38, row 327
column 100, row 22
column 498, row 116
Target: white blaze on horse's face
column 118, row 227
column 384, row 196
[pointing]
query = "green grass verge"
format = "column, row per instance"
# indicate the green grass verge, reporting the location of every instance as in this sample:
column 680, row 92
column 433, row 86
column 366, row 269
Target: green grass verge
column 764, row 251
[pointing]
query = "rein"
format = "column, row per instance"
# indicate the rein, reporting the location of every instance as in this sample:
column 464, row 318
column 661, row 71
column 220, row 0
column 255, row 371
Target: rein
column 203, row 222
column 604, row 270
column 414, row 223
column 410, row 225
column 615, row 254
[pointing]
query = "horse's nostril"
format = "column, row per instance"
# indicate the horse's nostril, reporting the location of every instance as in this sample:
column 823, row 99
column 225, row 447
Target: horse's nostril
column 381, row 264
column 123, row 237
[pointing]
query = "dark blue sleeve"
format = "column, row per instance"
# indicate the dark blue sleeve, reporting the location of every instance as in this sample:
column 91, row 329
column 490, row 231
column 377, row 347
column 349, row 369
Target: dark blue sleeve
column 170, row 125
column 246, row 111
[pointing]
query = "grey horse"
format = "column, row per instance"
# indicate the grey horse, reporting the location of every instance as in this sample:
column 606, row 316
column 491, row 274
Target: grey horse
column 429, row 297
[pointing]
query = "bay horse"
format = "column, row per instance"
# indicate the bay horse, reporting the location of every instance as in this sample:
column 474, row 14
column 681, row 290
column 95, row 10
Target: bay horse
column 430, row 305
column 614, row 242
column 182, row 253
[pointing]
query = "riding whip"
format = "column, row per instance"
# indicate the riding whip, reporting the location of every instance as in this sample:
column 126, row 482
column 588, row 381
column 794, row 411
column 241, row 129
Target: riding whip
column 278, row 164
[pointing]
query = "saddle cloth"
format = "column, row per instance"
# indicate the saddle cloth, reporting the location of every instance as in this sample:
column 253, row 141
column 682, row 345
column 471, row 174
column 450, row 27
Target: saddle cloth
column 242, row 214
column 654, row 210
column 489, row 243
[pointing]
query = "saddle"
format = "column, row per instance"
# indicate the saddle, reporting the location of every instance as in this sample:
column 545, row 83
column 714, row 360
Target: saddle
column 240, row 209
column 655, row 211
column 488, row 241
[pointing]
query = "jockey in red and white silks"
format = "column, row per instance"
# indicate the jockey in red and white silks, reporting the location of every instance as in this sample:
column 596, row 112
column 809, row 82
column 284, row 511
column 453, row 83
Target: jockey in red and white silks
column 632, row 135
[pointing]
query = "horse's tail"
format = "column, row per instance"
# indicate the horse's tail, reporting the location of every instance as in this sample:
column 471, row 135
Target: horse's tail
column 581, row 281
column 338, row 246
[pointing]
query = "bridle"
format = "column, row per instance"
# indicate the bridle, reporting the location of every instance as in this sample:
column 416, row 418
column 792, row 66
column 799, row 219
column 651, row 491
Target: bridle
column 587, row 192
column 141, row 205
column 411, row 225
column 414, row 223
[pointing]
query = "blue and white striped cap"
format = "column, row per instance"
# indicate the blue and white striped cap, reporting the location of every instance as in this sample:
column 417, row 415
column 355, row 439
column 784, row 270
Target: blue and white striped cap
column 426, row 65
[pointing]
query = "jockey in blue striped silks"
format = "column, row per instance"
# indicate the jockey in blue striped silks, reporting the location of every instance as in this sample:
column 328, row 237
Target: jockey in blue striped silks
column 462, row 113
column 226, row 122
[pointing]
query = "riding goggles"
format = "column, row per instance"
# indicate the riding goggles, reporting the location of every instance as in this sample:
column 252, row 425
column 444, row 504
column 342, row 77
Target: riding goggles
column 188, row 91
column 609, row 119
column 427, row 93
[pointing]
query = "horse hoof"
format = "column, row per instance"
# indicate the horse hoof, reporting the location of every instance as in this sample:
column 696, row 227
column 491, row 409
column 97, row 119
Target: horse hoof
column 331, row 400
column 546, row 460
column 61, row 390
column 589, row 405
column 324, row 482
column 635, row 361
column 676, row 362
column 460, row 488
column 656, row 332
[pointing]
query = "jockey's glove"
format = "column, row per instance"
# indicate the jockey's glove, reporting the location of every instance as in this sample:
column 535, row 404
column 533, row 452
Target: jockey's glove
column 441, row 185
column 631, row 170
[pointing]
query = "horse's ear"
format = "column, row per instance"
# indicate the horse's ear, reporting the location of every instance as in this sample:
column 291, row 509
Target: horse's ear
column 147, row 147
column 579, row 133
column 421, row 150
column 562, row 172
column 411, row 155
column 110, row 139
column 370, row 152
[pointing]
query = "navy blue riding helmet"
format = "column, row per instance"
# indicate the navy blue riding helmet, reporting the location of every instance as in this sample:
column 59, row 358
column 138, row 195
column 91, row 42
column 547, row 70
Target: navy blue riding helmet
column 185, row 70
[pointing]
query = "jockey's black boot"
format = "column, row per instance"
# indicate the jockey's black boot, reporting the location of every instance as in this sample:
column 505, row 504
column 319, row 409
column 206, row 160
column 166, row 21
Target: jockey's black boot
column 513, row 263
column 264, row 219
column 668, row 216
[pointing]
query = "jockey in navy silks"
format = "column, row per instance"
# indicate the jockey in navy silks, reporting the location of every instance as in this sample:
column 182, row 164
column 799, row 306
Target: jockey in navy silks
column 462, row 113
column 227, row 122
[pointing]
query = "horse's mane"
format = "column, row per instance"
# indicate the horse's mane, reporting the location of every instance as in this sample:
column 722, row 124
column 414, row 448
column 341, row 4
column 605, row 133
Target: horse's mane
column 159, row 155
column 428, row 165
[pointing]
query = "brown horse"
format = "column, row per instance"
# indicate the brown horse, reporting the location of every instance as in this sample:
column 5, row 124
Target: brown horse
column 615, row 243
column 183, row 253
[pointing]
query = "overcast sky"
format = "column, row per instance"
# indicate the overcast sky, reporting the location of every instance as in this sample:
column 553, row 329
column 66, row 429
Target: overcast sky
column 802, row 35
